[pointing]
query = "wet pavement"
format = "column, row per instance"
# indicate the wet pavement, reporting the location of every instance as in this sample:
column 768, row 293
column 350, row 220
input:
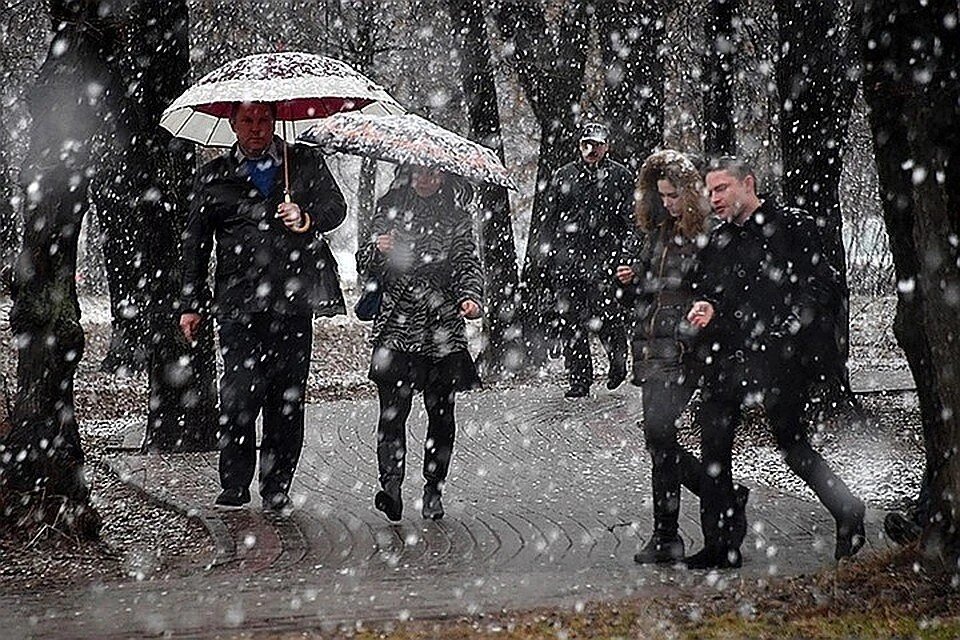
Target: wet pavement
column 546, row 503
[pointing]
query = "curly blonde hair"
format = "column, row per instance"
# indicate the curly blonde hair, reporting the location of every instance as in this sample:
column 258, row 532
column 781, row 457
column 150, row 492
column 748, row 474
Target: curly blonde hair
column 678, row 169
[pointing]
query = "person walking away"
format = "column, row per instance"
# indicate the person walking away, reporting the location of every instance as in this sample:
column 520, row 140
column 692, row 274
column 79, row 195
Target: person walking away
column 274, row 273
column 761, row 287
column 589, row 217
column 660, row 276
column 423, row 253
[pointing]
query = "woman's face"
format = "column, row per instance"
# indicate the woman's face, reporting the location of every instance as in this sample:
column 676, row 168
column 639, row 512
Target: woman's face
column 670, row 196
column 425, row 181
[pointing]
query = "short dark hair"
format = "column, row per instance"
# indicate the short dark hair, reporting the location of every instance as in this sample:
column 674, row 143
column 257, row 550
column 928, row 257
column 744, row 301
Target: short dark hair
column 235, row 106
column 736, row 167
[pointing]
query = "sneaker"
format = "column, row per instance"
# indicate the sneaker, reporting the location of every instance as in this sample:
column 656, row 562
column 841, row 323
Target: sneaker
column 661, row 550
column 389, row 501
column 232, row 498
column 278, row 503
column 432, row 505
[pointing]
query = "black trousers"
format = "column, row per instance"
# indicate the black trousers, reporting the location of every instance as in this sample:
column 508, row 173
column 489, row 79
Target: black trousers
column 266, row 358
column 586, row 307
column 664, row 400
column 395, row 403
column 720, row 415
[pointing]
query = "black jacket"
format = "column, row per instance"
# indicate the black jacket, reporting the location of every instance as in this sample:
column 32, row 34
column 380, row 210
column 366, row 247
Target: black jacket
column 262, row 265
column 774, row 295
column 589, row 217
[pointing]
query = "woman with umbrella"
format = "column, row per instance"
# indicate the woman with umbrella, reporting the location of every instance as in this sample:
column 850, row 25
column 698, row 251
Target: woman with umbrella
column 423, row 255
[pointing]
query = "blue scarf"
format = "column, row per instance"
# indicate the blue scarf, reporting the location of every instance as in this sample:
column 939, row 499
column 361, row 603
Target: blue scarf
column 263, row 173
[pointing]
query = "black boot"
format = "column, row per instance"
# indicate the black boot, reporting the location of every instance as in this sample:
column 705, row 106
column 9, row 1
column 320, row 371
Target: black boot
column 713, row 557
column 738, row 523
column 661, row 549
column 901, row 529
column 850, row 533
column 432, row 505
column 389, row 501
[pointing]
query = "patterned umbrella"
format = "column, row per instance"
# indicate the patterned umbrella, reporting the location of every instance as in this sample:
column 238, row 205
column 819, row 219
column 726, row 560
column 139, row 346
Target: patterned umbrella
column 408, row 139
column 303, row 86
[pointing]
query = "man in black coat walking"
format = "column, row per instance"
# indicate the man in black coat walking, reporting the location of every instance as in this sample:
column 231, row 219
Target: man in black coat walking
column 762, row 291
column 589, row 219
column 274, row 271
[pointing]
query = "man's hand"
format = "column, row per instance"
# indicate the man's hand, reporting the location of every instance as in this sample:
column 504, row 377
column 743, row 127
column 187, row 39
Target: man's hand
column 625, row 274
column 470, row 310
column 290, row 214
column 701, row 313
column 385, row 242
column 190, row 325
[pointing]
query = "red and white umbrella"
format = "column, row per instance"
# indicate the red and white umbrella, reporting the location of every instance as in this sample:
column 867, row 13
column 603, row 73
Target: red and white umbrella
column 304, row 88
column 408, row 139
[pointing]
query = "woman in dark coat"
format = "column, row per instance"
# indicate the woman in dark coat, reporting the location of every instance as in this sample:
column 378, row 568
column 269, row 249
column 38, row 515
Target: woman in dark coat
column 423, row 254
column 660, row 276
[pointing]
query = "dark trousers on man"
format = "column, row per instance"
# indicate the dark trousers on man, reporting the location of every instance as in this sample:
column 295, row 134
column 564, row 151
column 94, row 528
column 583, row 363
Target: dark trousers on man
column 266, row 358
column 396, row 401
column 587, row 307
column 664, row 399
column 719, row 416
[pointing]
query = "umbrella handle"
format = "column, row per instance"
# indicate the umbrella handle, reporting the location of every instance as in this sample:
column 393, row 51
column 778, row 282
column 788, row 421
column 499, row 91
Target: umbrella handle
column 286, row 166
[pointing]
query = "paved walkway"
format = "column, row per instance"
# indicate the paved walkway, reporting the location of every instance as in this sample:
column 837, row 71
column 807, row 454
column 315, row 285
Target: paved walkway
column 548, row 499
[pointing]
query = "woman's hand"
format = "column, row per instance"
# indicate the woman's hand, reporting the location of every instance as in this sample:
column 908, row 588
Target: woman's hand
column 625, row 274
column 385, row 242
column 470, row 310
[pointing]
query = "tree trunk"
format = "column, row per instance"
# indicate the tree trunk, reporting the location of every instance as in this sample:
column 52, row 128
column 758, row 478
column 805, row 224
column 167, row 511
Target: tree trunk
column 366, row 203
column 503, row 350
column 816, row 97
column 632, row 35
column 551, row 74
column 9, row 227
column 722, row 40
column 41, row 462
column 182, row 414
column 912, row 56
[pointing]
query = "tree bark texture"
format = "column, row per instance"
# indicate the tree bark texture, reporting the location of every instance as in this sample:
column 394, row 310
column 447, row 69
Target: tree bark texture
column 42, row 458
column 550, row 69
column 912, row 61
column 817, row 87
column 9, row 227
column 632, row 35
column 503, row 349
column 722, row 40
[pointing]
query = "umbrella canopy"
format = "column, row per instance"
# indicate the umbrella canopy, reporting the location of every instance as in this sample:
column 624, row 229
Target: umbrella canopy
column 304, row 88
column 408, row 139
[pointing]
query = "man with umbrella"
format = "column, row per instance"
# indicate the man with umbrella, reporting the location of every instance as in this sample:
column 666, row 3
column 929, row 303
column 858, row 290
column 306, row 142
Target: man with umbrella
column 274, row 272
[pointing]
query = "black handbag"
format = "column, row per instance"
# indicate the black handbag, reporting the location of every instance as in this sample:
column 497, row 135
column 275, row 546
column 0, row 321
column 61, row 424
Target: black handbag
column 368, row 305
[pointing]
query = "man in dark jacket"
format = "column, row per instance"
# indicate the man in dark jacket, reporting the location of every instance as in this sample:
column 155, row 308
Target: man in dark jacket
column 274, row 271
column 589, row 219
column 761, row 291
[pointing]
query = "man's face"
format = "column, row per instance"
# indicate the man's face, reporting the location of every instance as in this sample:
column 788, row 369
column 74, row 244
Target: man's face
column 593, row 151
column 728, row 194
column 253, row 124
column 425, row 182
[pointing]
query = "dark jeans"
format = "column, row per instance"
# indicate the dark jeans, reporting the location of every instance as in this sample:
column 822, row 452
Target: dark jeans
column 395, row 404
column 664, row 400
column 266, row 358
column 719, row 416
column 586, row 307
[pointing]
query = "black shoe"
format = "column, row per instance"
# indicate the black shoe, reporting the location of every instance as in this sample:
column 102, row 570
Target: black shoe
column 389, row 501
column 714, row 558
column 850, row 534
column 739, row 525
column 232, row 498
column 616, row 376
column 577, row 391
column 901, row 530
column 661, row 550
column 278, row 503
column 432, row 504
